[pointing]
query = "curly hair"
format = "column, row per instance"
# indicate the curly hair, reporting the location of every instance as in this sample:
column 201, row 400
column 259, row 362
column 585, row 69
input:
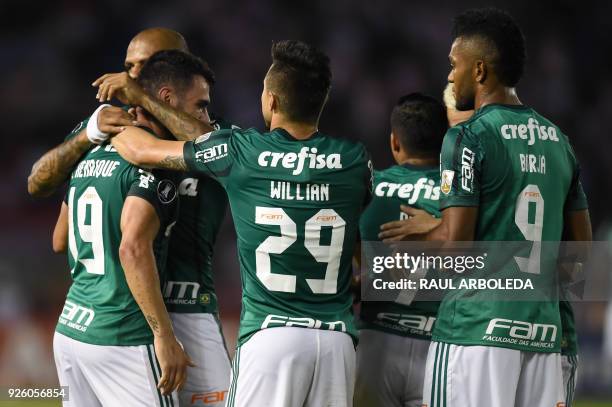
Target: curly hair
column 501, row 32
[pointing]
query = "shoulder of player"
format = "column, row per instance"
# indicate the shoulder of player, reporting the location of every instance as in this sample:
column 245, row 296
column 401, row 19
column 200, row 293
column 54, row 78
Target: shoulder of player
column 220, row 123
column 458, row 132
column 405, row 173
column 353, row 149
column 233, row 133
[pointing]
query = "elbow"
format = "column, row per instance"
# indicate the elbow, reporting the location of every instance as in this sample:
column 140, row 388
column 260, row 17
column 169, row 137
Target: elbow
column 132, row 250
column 35, row 190
column 59, row 247
column 136, row 157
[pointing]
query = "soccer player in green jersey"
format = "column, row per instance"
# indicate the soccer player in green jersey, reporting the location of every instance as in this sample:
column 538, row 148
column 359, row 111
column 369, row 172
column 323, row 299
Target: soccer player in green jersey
column 114, row 342
column 296, row 195
column 184, row 82
column 54, row 167
column 569, row 339
column 394, row 337
column 507, row 174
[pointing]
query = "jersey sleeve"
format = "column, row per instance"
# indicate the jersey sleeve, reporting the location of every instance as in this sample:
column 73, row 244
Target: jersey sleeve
column 161, row 192
column 576, row 198
column 211, row 154
column 77, row 129
column 460, row 168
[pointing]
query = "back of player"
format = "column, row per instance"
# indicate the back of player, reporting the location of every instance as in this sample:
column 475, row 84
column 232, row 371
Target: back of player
column 103, row 344
column 295, row 196
column 520, row 171
column 508, row 174
column 185, row 82
column 295, row 205
column 394, row 338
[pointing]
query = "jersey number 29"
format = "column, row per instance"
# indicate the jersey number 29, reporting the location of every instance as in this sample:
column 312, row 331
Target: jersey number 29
column 329, row 254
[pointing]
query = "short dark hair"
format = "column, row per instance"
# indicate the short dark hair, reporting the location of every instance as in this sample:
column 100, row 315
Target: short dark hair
column 301, row 77
column 499, row 29
column 420, row 122
column 173, row 67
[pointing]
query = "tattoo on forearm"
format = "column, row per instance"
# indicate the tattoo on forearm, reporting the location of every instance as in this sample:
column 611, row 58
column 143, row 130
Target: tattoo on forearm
column 53, row 168
column 153, row 323
column 173, row 162
column 182, row 125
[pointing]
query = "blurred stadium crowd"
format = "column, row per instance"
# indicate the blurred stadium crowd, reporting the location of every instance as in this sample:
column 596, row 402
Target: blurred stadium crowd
column 52, row 51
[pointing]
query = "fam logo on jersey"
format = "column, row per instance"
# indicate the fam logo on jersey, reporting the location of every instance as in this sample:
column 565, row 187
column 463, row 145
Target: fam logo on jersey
column 297, row 162
column 521, row 333
column 529, row 132
column 446, row 183
column 415, row 322
column 166, row 191
column 272, row 321
column 212, row 153
column 181, row 292
column 76, row 317
column 467, row 169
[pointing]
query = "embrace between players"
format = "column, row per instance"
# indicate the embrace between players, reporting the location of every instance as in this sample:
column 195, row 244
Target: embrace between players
column 149, row 183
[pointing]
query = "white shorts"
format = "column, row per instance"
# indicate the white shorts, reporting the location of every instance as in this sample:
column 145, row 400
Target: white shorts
column 569, row 365
column 109, row 375
column 486, row 376
column 390, row 370
column 208, row 382
column 293, row 367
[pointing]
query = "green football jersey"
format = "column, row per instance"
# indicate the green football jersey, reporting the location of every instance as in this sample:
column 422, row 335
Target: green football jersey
column 519, row 169
column 418, row 187
column 190, row 284
column 99, row 307
column 569, row 339
column 296, row 206
column 77, row 129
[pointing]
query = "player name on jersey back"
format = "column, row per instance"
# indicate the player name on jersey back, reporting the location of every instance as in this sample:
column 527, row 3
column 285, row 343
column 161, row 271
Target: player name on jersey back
column 99, row 306
column 295, row 205
column 418, row 186
column 521, row 173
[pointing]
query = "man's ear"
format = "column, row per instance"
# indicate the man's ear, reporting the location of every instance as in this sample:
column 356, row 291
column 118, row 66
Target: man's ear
column 480, row 71
column 273, row 102
column 166, row 94
column 395, row 144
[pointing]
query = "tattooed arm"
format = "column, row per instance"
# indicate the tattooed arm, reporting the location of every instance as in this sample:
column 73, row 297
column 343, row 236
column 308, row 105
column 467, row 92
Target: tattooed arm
column 53, row 168
column 144, row 150
column 182, row 125
column 139, row 226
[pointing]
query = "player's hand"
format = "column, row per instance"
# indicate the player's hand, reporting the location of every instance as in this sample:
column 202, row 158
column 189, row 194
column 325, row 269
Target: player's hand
column 113, row 120
column 418, row 223
column 119, row 85
column 173, row 361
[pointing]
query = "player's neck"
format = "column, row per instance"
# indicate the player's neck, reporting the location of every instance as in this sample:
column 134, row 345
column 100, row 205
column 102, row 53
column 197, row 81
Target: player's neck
column 419, row 161
column 499, row 94
column 298, row 131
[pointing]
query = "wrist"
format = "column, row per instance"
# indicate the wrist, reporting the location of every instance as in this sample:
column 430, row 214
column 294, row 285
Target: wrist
column 94, row 134
column 164, row 334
